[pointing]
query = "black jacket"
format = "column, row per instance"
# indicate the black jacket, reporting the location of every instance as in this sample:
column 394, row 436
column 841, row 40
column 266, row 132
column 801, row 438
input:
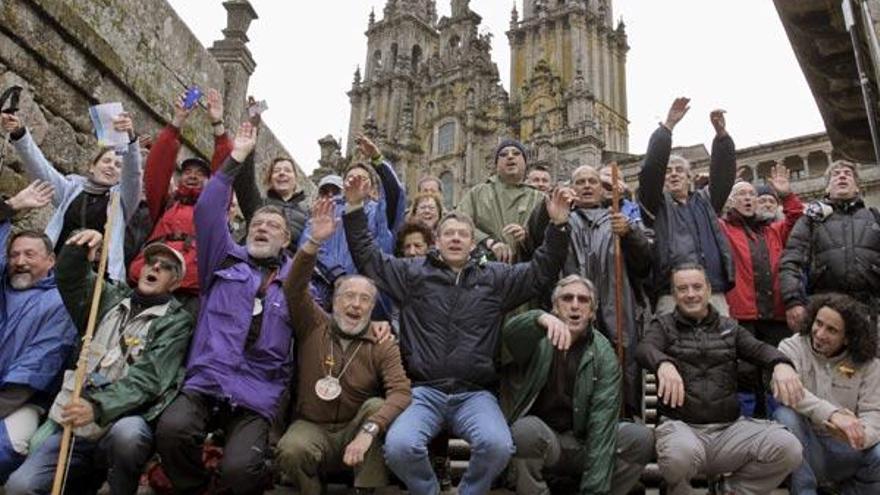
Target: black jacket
column 837, row 246
column 705, row 354
column 705, row 205
column 250, row 200
column 450, row 322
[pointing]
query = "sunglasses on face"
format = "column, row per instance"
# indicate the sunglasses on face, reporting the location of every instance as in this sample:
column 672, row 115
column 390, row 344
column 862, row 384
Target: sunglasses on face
column 163, row 264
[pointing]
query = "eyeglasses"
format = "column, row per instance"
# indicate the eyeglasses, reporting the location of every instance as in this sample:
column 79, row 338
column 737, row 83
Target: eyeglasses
column 163, row 265
column 580, row 298
column 427, row 207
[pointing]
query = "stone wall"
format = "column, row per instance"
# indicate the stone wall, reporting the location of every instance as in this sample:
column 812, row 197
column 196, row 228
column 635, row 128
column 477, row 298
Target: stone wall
column 71, row 54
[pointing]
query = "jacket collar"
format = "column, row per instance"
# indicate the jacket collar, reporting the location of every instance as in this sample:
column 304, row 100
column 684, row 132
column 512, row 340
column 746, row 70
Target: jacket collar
column 297, row 197
column 710, row 320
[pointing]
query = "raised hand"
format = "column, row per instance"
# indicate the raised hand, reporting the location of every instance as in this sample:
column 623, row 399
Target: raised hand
column 558, row 332
column 367, row 147
column 324, row 219
column 214, row 101
column 124, row 123
column 787, row 386
column 716, row 117
column 181, row 113
column 36, row 195
column 559, row 205
column 677, row 112
column 245, row 141
column 357, row 189
column 89, row 238
column 10, row 122
column 779, row 180
column 670, row 386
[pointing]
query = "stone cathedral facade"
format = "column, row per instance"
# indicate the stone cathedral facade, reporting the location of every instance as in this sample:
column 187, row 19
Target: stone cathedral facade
column 430, row 94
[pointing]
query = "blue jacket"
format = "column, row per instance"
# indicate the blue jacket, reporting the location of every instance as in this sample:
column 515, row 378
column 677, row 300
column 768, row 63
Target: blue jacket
column 384, row 219
column 36, row 333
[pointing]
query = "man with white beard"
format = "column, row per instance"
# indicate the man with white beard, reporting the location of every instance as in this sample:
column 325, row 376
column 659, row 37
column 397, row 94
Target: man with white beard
column 343, row 373
column 241, row 356
column 36, row 331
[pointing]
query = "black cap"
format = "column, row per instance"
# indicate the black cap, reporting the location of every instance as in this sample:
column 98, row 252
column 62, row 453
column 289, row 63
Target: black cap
column 196, row 162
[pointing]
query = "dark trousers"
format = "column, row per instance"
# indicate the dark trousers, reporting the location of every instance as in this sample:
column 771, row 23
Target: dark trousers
column 180, row 437
column 750, row 379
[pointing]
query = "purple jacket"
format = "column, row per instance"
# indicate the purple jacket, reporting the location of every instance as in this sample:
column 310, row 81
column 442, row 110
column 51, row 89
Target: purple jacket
column 218, row 363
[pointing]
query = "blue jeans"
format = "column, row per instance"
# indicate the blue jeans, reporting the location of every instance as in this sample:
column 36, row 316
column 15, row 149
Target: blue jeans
column 473, row 416
column 856, row 472
column 123, row 452
column 9, row 458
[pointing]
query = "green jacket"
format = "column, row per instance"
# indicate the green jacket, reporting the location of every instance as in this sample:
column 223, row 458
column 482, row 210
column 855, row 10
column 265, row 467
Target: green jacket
column 152, row 381
column 596, row 392
column 493, row 205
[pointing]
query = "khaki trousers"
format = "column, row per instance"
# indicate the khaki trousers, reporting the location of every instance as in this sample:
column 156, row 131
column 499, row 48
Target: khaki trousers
column 308, row 450
column 755, row 455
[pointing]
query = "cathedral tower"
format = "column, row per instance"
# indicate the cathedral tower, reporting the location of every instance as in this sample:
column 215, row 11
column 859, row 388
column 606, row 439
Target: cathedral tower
column 568, row 81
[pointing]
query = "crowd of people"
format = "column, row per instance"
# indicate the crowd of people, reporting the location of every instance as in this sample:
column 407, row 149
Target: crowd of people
column 351, row 336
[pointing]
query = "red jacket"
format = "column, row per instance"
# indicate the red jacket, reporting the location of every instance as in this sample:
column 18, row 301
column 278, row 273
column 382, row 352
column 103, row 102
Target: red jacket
column 742, row 298
column 173, row 217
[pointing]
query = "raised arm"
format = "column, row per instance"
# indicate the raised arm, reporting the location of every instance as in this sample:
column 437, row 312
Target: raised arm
column 526, row 280
column 792, row 207
column 521, row 336
column 222, row 143
column 159, row 169
column 131, row 182
column 215, row 241
column 75, row 277
column 388, row 272
column 653, row 173
column 392, row 190
column 35, row 164
column 722, row 168
column 305, row 314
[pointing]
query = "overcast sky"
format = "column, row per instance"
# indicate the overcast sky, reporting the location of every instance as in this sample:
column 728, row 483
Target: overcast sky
column 721, row 53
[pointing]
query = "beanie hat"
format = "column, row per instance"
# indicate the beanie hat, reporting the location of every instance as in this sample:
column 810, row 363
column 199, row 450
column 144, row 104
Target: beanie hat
column 511, row 142
column 765, row 190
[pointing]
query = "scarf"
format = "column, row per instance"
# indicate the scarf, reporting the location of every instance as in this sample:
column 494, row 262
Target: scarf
column 140, row 302
column 92, row 187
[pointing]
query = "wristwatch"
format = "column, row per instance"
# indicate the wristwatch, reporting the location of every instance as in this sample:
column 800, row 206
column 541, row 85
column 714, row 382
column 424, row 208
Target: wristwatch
column 370, row 428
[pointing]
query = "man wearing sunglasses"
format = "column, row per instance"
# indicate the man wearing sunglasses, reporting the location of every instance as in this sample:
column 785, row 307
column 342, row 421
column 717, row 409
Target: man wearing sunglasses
column 591, row 254
column 561, row 394
column 135, row 363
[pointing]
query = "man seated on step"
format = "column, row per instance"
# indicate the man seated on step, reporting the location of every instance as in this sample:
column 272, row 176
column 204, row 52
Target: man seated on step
column 694, row 351
column 350, row 385
column 562, row 395
column 452, row 306
column 37, row 333
column 135, row 363
column 838, row 420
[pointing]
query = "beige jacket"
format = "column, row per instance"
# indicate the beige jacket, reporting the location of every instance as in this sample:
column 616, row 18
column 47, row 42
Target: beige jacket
column 836, row 383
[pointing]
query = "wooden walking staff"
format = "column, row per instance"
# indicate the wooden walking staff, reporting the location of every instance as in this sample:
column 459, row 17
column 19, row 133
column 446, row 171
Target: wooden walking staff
column 83, row 361
column 618, row 283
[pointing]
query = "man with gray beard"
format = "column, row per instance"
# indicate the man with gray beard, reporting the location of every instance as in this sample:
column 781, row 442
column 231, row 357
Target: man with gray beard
column 35, row 329
column 241, row 357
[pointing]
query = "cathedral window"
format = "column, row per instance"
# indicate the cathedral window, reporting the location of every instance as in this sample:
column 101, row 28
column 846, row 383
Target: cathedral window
column 416, row 57
column 448, row 188
column 377, row 60
column 446, row 138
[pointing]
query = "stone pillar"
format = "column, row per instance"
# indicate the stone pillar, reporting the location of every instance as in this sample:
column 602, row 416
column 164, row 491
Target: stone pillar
column 806, row 159
column 233, row 55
